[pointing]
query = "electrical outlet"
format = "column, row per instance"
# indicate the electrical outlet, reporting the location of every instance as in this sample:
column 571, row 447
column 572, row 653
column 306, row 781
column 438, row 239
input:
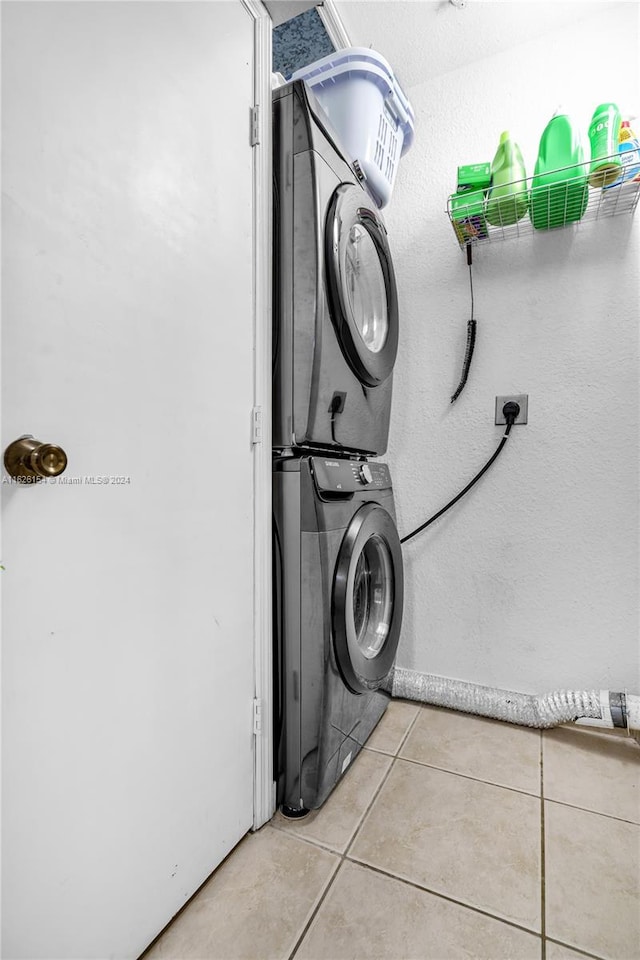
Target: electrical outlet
column 521, row 399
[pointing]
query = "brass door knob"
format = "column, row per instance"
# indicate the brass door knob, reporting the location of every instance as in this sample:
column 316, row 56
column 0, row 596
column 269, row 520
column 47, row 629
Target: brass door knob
column 28, row 458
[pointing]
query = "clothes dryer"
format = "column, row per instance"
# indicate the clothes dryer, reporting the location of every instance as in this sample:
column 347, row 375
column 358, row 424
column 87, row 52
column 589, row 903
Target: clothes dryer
column 338, row 612
column 335, row 306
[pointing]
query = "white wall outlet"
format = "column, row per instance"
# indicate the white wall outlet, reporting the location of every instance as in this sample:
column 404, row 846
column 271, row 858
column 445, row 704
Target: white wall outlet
column 522, row 399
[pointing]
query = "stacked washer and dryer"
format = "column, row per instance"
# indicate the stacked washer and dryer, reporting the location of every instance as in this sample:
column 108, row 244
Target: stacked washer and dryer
column 338, row 575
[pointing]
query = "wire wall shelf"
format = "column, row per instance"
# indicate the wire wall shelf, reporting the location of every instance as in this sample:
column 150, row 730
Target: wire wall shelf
column 569, row 196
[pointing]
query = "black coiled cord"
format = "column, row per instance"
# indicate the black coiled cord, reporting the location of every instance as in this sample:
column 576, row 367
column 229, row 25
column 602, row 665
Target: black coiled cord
column 471, row 342
column 471, row 337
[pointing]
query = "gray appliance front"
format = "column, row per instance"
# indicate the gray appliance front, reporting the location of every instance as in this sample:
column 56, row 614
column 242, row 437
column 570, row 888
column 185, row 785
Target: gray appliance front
column 329, row 697
column 335, row 297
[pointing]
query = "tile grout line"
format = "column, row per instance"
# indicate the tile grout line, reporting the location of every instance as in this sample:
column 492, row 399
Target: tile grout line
column 443, row 896
column 466, row 776
column 394, row 758
column 311, row 843
column 527, row 793
column 543, row 902
column 409, row 728
column 380, row 786
column 315, row 910
column 392, row 876
column 323, row 845
column 383, row 753
column 579, row 950
column 343, row 855
column 404, row 737
column 596, row 813
column 524, row 793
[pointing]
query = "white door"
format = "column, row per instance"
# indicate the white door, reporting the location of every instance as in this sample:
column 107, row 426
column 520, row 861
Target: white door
column 128, row 584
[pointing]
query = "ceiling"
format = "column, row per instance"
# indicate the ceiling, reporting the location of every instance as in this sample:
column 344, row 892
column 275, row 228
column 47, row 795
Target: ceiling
column 424, row 38
column 283, row 10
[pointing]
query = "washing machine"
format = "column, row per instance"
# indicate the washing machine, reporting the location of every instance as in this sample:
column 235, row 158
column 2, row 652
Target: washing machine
column 335, row 305
column 338, row 591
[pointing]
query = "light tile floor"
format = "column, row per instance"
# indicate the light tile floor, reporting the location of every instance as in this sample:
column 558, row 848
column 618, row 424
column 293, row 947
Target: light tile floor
column 451, row 837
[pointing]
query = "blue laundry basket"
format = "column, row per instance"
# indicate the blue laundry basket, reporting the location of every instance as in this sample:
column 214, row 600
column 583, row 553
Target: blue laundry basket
column 358, row 91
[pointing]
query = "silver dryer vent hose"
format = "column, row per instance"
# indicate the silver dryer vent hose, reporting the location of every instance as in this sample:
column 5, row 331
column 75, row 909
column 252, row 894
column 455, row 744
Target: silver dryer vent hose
column 607, row 709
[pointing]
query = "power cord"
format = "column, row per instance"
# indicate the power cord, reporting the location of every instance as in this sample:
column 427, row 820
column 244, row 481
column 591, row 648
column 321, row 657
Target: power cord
column 471, row 337
column 510, row 411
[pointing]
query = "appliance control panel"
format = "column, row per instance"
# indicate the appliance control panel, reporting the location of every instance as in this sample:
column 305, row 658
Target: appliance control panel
column 349, row 476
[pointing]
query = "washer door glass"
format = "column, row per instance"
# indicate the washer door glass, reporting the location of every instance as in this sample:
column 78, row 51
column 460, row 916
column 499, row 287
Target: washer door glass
column 361, row 285
column 373, row 596
column 367, row 599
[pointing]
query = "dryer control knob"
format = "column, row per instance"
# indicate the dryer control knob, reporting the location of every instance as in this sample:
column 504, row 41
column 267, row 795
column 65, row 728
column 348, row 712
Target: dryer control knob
column 365, row 474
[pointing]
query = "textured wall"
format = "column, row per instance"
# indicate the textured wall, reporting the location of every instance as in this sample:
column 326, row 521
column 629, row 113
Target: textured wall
column 531, row 582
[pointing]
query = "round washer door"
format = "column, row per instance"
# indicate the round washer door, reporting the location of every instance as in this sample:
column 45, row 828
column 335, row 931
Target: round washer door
column 368, row 591
column 361, row 285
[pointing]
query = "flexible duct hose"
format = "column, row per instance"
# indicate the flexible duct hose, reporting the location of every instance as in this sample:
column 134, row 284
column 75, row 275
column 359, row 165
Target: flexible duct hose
column 529, row 710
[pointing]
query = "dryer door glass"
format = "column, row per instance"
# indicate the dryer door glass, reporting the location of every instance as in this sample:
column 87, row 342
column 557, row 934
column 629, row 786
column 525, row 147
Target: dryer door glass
column 361, row 285
column 366, row 289
column 367, row 599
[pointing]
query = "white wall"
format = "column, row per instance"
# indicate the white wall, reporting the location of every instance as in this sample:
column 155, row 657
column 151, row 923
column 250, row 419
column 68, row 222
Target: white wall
column 531, row 582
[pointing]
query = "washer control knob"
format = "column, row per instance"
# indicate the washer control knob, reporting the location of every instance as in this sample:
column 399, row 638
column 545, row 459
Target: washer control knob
column 365, row 473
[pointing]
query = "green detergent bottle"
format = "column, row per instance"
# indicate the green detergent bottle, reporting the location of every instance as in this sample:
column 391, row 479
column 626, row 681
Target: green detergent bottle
column 507, row 199
column 559, row 190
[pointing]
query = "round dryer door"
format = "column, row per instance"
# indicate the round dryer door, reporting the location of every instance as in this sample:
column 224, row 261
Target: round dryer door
column 368, row 592
column 361, row 285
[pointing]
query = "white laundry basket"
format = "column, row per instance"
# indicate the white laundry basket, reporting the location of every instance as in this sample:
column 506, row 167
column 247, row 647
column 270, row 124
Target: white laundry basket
column 359, row 93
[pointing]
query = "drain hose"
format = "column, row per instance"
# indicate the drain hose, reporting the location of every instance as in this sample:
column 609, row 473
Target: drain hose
column 604, row 707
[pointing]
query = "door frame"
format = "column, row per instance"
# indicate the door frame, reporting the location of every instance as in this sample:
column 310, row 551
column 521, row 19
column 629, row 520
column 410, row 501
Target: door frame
column 264, row 799
column 333, row 24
